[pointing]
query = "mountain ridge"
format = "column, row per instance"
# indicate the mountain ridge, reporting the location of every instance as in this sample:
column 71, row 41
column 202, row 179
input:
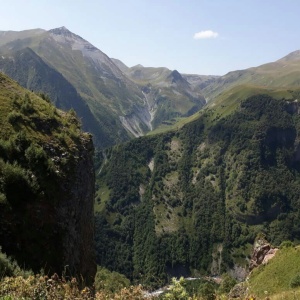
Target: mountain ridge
column 117, row 103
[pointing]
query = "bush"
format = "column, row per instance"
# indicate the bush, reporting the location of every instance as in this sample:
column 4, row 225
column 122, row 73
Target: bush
column 227, row 284
column 9, row 267
column 14, row 117
column 110, row 282
column 208, row 291
column 15, row 176
column 286, row 244
column 36, row 156
column 295, row 281
column 177, row 290
column 27, row 105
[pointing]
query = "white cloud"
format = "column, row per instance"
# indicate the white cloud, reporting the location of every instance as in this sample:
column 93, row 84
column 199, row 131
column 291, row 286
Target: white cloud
column 206, row 34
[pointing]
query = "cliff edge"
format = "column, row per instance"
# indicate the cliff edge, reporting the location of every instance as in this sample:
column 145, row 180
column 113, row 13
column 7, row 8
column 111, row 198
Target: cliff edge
column 46, row 185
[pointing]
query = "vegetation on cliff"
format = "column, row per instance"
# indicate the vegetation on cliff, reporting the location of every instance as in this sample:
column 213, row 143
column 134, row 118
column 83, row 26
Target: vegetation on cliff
column 46, row 205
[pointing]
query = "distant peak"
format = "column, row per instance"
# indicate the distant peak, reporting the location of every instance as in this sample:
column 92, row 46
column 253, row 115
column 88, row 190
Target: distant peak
column 175, row 76
column 61, row 31
column 292, row 56
column 139, row 66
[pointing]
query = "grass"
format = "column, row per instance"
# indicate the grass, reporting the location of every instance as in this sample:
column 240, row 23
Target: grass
column 279, row 74
column 39, row 120
column 102, row 197
column 286, row 295
column 166, row 218
column 275, row 277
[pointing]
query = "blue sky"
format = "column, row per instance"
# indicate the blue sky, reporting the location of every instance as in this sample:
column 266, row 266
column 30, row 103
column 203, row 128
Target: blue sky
column 232, row 34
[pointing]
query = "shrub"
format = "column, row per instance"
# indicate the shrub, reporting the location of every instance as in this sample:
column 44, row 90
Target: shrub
column 36, row 156
column 110, row 282
column 27, row 105
column 295, row 281
column 207, row 291
column 3, row 148
column 227, row 284
column 14, row 117
column 3, row 199
column 9, row 267
column 286, row 244
column 177, row 290
column 44, row 97
column 15, row 176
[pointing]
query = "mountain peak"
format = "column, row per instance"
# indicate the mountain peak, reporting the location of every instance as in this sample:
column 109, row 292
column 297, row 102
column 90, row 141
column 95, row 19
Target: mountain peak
column 175, row 76
column 61, row 31
column 292, row 56
column 139, row 66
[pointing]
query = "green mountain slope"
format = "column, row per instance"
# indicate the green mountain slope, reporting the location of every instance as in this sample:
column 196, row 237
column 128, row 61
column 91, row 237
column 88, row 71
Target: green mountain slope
column 26, row 67
column 9, row 36
column 120, row 107
column 46, row 185
column 282, row 73
column 111, row 97
column 168, row 94
column 120, row 65
column 193, row 200
column 278, row 278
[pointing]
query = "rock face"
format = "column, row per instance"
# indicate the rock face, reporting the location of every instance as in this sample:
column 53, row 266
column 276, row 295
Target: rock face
column 46, row 186
column 56, row 231
column 75, row 214
column 262, row 253
column 271, row 253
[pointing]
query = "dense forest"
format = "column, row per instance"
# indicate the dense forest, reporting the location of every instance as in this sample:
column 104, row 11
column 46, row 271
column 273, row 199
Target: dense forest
column 192, row 201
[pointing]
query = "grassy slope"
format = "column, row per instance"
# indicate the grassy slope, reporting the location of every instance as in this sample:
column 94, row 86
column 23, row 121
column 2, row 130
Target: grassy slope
column 224, row 104
column 280, row 74
column 106, row 97
column 8, row 36
column 171, row 93
column 42, row 110
column 274, row 278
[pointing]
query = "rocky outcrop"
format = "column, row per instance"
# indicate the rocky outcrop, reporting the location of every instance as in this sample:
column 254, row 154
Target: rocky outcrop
column 262, row 253
column 270, row 254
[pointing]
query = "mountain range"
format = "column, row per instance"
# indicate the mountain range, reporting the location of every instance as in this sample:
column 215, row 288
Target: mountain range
column 190, row 200
column 112, row 104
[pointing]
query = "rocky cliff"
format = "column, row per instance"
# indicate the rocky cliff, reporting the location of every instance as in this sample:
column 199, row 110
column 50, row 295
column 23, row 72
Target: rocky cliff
column 46, row 185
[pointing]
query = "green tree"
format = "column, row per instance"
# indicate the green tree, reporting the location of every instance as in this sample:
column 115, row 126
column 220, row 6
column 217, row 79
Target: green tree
column 177, row 290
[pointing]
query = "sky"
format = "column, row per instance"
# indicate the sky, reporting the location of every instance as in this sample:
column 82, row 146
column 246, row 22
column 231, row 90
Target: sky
column 192, row 36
